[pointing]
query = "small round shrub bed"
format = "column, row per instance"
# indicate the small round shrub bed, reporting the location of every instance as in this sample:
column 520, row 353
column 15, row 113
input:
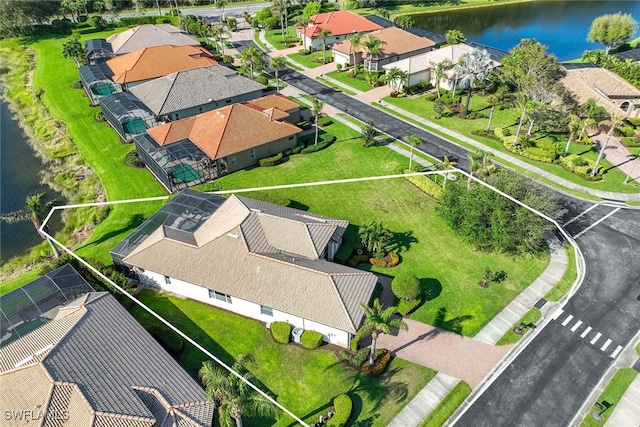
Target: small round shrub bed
column 132, row 159
column 311, row 339
column 99, row 117
column 281, row 331
column 169, row 340
column 390, row 260
column 383, row 357
column 342, row 405
column 406, row 286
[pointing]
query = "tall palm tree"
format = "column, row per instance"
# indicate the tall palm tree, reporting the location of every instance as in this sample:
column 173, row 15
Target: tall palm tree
column 324, row 33
column 378, row 321
column 232, row 396
column 412, row 140
column 522, row 104
column 276, row 63
column 392, row 78
column 474, row 165
column 252, row 57
column 613, row 122
column 446, row 165
column 218, row 33
column 281, row 8
column 574, row 126
column 487, row 167
column 475, row 67
column 220, row 4
column 375, row 237
column 354, row 44
column 373, row 45
column 35, row 210
column 494, row 100
column 439, row 70
column 592, row 113
column 72, row 49
column 316, row 110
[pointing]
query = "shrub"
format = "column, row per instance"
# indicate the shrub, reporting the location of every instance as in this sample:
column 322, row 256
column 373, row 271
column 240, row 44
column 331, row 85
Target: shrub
column 357, row 259
column 579, row 161
column 425, row 184
column 383, row 357
column 271, row 161
column 262, row 80
column 339, row 67
column 168, row 339
column 353, row 344
column 132, row 159
column 324, row 141
column 98, row 117
column 506, row 132
column 281, row 332
column 580, row 166
column 304, row 52
column 406, row 306
column 77, row 84
column 394, row 259
column 232, row 23
column 342, row 406
column 311, row 339
column 378, row 262
column 406, row 286
column 421, row 87
column 631, row 142
column 624, row 131
column 635, row 121
column 304, row 125
column 356, row 359
column 325, row 121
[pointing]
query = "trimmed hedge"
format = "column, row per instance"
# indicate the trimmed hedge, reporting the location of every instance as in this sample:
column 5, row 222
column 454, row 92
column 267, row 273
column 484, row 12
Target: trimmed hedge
column 580, row 166
column 425, row 184
column 168, row 339
column 311, row 339
column 406, row 286
column 521, row 148
column 343, row 406
column 325, row 141
column 281, row 332
column 356, row 359
column 271, row 161
column 137, row 20
column 325, row 121
column 406, row 306
column 631, row 142
column 357, row 259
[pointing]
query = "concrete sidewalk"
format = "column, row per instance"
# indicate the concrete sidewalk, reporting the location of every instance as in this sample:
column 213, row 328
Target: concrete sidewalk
column 627, row 411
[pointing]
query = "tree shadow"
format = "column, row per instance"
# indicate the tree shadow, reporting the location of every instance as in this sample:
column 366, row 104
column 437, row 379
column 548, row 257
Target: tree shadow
column 402, row 241
column 297, row 205
column 431, row 288
column 454, row 325
column 134, row 221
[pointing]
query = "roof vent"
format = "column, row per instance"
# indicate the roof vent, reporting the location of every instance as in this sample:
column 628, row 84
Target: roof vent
column 44, row 350
column 255, row 210
column 210, row 100
column 23, row 362
column 235, row 236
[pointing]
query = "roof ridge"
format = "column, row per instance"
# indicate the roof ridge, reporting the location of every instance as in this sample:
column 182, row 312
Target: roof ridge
column 308, row 233
column 226, row 124
column 342, row 304
column 82, row 395
column 168, row 93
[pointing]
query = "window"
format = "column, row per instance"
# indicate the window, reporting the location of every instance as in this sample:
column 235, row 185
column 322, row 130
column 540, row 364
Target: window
column 177, row 116
column 228, row 101
column 220, row 297
column 167, row 280
column 200, row 109
column 253, row 153
column 233, row 160
column 290, row 138
column 267, row 311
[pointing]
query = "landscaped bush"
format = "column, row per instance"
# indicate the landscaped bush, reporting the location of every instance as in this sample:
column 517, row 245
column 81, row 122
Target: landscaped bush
column 132, row 159
column 311, row 339
column 422, row 86
column 353, row 344
column 631, row 142
column 304, row 125
column 378, row 262
column 232, row 23
column 271, row 161
column 325, row 141
column 98, row 117
column 357, row 259
column 406, row 286
column 325, row 121
column 77, row 84
column 627, row 131
column 356, row 359
column 168, row 339
column 425, row 184
column 304, row 52
column 383, row 357
column 525, row 146
column 342, row 405
column 580, row 166
column 339, row 67
column 262, row 80
column 394, row 259
column 281, row 332
column 635, row 121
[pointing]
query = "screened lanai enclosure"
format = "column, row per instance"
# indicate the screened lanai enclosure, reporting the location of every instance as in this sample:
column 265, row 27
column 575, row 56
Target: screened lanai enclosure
column 96, row 81
column 37, row 303
column 180, row 164
column 127, row 114
column 180, row 218
column 98, row 51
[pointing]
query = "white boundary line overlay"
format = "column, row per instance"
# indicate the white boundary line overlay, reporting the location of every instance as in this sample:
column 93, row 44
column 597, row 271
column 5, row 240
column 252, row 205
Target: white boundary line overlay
column 596, row 223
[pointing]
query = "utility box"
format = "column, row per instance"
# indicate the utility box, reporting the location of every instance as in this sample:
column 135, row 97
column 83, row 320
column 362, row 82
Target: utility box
column 297, row 334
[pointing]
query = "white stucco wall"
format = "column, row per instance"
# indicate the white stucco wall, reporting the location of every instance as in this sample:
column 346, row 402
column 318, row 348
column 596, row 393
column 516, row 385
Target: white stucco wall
column 341, row 58
column 240, row 306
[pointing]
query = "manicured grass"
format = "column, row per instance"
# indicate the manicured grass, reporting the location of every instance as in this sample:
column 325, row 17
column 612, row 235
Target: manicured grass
column 638, row 349
column 568, row 278
column 401, row 9
column 448, row 267
column 447, row 406
column 634, row 203
column 304, row 381
column 612, row 180
column 335, row 86
column 532, row 316
column 612, row 394
column 308, row 60
column 358, row 82
column 274, row 37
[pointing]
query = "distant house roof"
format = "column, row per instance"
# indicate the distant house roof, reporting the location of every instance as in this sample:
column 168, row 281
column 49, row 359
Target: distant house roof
column 262, row 253
column 275, row 100
column 97, row 365
column 190, row 88
column 379, row 20
column 157, row 61
column 396, row 42
column 495, row 53
column 149, row 35
column 426, row 61
column 225, row 131
column 633, row 54
column 339, row 22
column 607, row 88
column 437, row 38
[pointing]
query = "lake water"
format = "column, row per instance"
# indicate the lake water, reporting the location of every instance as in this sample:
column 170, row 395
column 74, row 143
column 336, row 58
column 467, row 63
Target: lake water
column 20, row 177
column 561, row 25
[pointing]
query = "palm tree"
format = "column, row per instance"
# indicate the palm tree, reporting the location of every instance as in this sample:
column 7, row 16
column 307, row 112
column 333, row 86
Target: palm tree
column 412, row 140
column 368, row 134
column 593, row 114
column 475, row 67
column 281, row 9
column 316, row 110
column 217, row 32
column 487, row 167
column 439, row 70
column 403, row 21
column 36, row 211
column 276, row 63
column 574, row 126
column 72, row 49
column 378, row 321
column 220, row 4
column 324, row 33
column 493, row 100
column 474, row 164
column 373, row 46
column 446, row 165
column 522, row 103
column 614, row 122
column 375, row 237
column 252, row 57
column 392, row 77
column 231, row 396
column 354, row 44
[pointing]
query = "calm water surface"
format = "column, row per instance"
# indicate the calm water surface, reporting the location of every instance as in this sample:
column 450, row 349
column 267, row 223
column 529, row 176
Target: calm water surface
column 561, row 25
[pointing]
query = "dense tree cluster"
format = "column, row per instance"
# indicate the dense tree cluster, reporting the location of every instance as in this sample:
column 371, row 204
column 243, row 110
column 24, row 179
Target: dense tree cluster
column 492, row 222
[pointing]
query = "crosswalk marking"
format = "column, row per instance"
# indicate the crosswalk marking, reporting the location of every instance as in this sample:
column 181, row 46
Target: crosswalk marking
column 586, row 332
column 576, row 326
column 616, row 351
column 567, row 320
column 580, row 215
column 596, row 338
column 606, row 344
column 557, row 314
column 596, row 223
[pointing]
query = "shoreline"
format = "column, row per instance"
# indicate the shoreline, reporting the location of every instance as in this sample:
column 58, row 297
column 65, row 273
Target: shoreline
column 452, row 8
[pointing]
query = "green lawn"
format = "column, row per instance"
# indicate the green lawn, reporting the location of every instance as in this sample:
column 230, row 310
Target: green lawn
column 308, row 60
column 335, row 86
column 531, row 316
column 612, row 394
column 568, row 278
column 448, row 267
column 447, row 406
column 613, row 177
column 274, row 37
column 304, row 381
column 411, row 8
column 358, row 82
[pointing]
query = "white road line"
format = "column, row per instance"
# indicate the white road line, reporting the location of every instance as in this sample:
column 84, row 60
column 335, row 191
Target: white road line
column 616, row 351
column 579, row 215
column 576, row 326
column 586, row 332
column 606, row 344
column 567, row 320
column 596, row 223
column 557, row 314
column 596, row 338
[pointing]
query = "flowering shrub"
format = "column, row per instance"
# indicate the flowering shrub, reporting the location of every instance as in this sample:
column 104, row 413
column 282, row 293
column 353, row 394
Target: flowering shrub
column 383, row 357
column 378, row 262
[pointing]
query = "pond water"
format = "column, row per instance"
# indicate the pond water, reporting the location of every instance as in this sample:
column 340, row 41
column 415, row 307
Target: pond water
column 561, row 25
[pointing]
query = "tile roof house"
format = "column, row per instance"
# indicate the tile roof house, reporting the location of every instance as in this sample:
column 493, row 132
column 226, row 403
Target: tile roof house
column 126, row 114
column 149, row 35
column 398, row 44
column 152, row 62
column 253, row 258
column 187, row 93
column 202, row 147
column 607, row 88
column 341, row 23
column 93, row 364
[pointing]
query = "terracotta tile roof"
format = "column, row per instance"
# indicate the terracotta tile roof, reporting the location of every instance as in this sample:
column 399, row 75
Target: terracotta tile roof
column 397, row 42
column 149, row 35
column 158, row 61
column 225, row 131
column 275, row 100
column 339, row 22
